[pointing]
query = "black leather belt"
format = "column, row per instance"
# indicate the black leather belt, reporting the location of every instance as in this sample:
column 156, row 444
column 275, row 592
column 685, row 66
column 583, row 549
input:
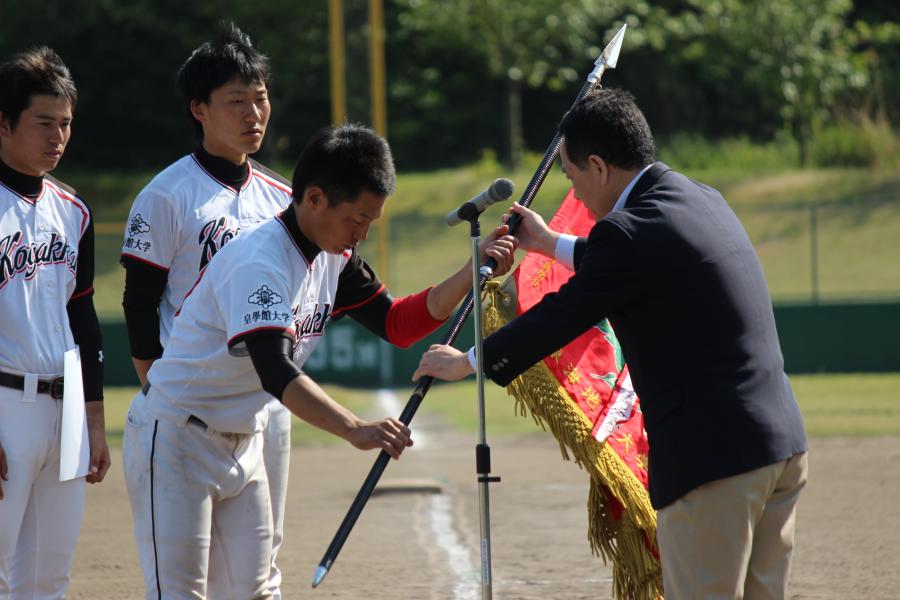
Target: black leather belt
column 53, row 387
column 191, row 419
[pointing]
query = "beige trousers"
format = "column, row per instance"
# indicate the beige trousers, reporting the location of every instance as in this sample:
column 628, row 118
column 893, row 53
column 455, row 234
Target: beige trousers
column 732, row 538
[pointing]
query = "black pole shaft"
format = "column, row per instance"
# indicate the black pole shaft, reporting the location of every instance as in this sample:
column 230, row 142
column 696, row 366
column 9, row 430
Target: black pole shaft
column 424, row 384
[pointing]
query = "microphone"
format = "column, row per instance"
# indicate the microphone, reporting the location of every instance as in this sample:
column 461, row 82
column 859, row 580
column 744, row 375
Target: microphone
column 501, row 189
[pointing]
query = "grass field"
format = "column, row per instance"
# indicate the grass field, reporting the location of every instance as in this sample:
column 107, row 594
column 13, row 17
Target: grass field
column 423, row 249
column 832, row 405
column 857, row 241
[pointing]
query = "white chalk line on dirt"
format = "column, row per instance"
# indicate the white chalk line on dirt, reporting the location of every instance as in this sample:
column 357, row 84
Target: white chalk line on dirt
column 458, row 559
column 440, row 522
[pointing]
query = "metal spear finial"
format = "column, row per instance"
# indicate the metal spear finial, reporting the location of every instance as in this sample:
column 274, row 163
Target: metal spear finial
column 609, row 57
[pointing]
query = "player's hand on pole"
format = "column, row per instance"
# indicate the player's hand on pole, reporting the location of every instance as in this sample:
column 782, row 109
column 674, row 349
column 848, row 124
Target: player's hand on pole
column 4, row 469
column 100, row 460
column 390, row 435
column 443, row 362
column 306, row 399
column 501, row 247
column 532, row 232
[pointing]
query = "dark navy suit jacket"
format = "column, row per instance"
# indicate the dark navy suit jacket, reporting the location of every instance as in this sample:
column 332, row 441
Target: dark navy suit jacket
column 677, row 277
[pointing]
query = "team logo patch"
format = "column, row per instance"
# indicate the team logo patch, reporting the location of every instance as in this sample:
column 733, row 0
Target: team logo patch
column 138, row 225
column 264, row 296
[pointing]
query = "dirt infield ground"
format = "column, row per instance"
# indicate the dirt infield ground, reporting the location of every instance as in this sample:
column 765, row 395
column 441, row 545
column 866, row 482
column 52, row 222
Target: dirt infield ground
column 425, row 546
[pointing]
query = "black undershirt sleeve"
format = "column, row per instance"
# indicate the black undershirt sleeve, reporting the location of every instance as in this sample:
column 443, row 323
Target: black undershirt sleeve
column 84, row 272
column 373, row 314
column 144, row 287
column 86, row 333
column 362, row 296
column 83, row 318
column 271, row 355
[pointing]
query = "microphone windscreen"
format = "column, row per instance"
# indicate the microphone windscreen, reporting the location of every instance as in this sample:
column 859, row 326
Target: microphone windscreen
column 502, row 189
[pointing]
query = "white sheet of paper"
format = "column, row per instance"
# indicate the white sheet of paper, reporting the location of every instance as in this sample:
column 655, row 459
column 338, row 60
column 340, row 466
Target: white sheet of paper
column 74, row 449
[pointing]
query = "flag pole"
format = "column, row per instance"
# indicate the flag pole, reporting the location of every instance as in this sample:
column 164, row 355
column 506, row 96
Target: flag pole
column 607, row 60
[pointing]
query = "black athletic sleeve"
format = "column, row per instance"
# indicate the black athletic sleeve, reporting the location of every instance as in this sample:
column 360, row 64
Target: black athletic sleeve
column 144, row 287
column 373, row 315
column 362, row 296
column 271, row 354
column 84, row 272
column 86, row 332
column 83, row 318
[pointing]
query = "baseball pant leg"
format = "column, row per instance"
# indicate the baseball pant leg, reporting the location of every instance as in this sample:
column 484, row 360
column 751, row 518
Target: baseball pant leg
column 40, row 517
column 25, row 431
column 171, row 500
column 277, row 457
column 240, row 556
column 43, row 563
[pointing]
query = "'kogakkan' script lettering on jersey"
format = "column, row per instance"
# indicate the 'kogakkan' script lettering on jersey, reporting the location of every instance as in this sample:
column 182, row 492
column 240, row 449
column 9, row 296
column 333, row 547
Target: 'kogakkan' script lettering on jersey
column 28, row 258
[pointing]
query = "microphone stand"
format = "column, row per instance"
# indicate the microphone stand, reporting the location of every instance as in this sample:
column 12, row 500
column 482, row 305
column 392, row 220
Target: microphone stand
column 482, row 450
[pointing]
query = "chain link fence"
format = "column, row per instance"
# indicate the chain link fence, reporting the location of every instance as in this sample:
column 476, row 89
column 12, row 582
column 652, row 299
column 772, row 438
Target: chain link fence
column 827, row 251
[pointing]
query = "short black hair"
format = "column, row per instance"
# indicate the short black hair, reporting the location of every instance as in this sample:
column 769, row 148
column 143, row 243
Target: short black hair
column 607, row 122
column 345, row 161
column 38, row 71
column 230, row 54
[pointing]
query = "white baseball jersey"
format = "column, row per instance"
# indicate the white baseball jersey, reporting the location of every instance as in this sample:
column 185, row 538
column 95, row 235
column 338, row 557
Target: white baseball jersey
column 39, row 242
column 259, row 281
column 185, row 215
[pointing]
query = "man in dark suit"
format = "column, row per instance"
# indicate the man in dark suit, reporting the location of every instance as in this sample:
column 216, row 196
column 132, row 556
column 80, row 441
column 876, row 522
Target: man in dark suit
column 671, row 267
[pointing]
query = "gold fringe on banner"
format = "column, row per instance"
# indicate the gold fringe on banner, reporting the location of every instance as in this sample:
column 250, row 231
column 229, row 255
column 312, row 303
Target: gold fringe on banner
column 623, row 542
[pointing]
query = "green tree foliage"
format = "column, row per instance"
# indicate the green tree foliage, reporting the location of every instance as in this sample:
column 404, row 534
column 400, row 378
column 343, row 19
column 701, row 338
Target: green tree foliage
column 796, row 55
column 466, row 75
column 738, row 67
column 524, row 43
column 124, row 57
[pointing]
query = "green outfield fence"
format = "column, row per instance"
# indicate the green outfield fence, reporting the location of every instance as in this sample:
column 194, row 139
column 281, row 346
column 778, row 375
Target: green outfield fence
column 815, row 338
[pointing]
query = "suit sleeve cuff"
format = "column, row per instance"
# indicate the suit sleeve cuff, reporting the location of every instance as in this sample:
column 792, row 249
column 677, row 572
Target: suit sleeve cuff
column 565, row 251
column 471, row 355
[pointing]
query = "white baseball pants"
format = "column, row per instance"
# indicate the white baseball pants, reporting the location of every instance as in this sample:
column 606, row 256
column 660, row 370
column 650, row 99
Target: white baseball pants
column 40, row 517
column 195, row 493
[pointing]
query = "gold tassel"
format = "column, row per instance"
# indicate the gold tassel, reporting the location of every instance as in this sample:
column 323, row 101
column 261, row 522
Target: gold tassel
column 636, row 572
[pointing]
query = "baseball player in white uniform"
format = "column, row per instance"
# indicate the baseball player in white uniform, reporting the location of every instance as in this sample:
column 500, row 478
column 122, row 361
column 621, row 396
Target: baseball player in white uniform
column 46, row 287
column 194, row 207
column 192, row 441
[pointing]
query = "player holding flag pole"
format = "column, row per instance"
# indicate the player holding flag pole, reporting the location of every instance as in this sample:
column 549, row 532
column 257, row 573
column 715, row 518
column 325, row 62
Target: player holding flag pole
column 607, row 60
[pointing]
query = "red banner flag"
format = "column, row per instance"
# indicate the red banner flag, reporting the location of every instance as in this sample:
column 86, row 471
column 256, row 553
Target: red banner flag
column 583, row 393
